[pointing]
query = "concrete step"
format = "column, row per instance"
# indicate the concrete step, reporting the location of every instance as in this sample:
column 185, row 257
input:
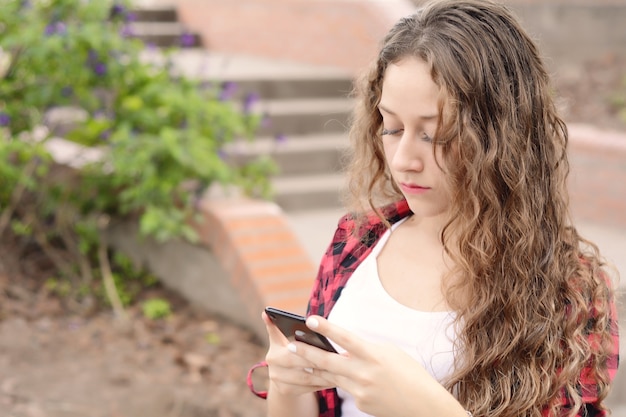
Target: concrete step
column 295, row 88
column 249, row 75
column 304, row 116
column 155, row 14
column 311, row 192
column 299, row 155
column 165, row 34
column 211, row 65
column 269, row 79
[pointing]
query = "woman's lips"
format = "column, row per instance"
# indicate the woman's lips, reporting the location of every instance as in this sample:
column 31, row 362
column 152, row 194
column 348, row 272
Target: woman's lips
column 413, row 188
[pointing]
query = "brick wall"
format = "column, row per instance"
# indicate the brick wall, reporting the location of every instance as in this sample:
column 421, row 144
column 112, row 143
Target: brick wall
column 345, row 33
column 338, row 33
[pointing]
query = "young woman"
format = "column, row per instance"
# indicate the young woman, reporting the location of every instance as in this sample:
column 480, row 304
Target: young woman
column 459, row 285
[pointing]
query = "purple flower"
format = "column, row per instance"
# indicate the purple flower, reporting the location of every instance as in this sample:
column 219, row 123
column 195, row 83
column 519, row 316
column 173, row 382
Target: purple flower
column 93, row 61
column 280, row 138
column 105, row 135
column 61, row 28
column 187, row 40
column 229, row 89
column 100, row 68
column 117, row 10
column 67, row 91
column 55, row 28
column 127, row 31
column 5, row 119
column 249, row 102
column 221, row 153
column 50, row 29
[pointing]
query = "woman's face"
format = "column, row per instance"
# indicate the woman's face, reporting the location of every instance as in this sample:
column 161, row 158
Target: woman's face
column 410, row 111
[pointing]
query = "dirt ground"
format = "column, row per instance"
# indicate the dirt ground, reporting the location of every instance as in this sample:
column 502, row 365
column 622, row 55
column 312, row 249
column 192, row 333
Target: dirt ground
column 54, row 363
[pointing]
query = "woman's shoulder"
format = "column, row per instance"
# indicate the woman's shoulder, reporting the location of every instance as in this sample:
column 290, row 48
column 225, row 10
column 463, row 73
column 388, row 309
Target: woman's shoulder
column 372, row 219
column 357, row 233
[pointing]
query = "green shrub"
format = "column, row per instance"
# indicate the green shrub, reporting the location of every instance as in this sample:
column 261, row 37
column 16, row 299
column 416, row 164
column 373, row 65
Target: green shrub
column 156, row 308
column 159, row 136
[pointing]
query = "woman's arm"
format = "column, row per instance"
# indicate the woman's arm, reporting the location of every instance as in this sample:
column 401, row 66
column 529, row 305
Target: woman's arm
column 292, row 384
column 281, row 405
column 383, row 379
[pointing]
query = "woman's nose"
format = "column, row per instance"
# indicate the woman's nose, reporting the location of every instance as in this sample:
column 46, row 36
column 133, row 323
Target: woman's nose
column 409, row 154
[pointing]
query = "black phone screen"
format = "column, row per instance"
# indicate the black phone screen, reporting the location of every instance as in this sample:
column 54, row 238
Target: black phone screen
column 293, row 326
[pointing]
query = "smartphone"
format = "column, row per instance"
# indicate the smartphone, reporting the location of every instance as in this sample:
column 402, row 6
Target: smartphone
column 293, row 326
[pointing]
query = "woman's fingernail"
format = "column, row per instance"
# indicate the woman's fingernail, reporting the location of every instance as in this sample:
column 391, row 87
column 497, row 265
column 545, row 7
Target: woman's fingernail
column 291, row 348
column 312, row 323
column 309, row 370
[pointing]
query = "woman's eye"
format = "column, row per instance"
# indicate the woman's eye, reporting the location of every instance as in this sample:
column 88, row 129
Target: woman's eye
column 391, row 132
column 426, row 137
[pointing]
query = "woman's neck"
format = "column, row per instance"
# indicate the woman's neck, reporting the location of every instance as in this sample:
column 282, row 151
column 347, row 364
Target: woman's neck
column 429, row 227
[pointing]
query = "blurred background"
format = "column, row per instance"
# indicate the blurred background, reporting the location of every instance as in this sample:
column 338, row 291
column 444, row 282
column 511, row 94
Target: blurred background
column 290, row 64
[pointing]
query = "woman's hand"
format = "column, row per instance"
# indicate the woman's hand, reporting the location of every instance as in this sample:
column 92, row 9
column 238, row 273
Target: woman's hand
column 383, row 379
column 289, row 374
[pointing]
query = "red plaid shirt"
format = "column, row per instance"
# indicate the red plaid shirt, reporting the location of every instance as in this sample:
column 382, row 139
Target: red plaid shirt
column 347, row 251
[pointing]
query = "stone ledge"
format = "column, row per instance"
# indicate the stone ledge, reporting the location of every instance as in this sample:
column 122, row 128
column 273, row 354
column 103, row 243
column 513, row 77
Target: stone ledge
column 248, row 257
column 264, row 261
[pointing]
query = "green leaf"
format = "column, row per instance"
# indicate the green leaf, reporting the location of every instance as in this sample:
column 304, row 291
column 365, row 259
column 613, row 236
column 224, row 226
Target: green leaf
column 213, row 338
column 156, row 308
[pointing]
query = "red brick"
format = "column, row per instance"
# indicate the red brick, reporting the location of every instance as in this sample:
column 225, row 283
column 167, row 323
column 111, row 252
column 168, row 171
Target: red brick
column 283, row 269
column 265, row 262
column 279, row 253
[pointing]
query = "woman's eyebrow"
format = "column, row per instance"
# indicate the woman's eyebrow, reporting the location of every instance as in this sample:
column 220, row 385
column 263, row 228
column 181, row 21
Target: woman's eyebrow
column 424, row 118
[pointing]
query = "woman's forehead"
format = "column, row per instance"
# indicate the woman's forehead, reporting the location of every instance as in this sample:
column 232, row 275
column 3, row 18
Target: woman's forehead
column 408, row 88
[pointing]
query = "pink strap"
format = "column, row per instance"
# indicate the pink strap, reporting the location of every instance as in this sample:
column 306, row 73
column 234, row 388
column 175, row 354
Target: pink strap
column 260, row 394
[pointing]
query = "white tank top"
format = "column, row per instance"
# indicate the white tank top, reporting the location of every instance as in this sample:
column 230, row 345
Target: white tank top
column 366, row 309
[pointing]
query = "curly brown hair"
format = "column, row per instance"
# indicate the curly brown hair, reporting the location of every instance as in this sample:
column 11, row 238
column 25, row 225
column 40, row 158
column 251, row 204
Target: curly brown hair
column 537, row 290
